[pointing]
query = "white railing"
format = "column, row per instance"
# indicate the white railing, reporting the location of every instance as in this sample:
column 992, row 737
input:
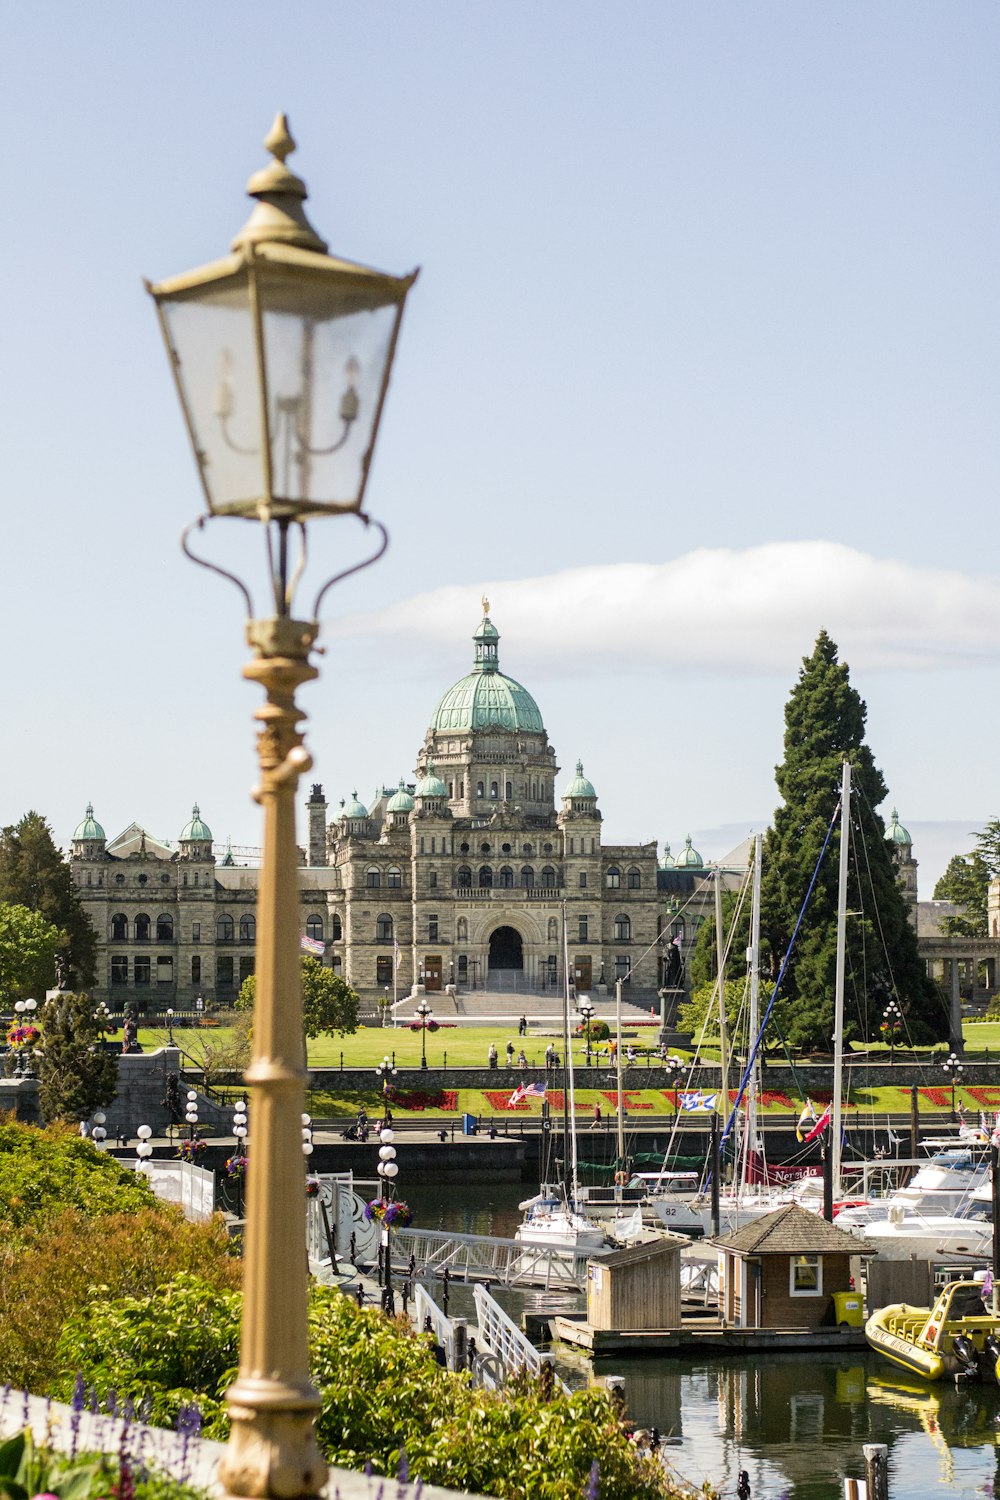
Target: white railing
column 512, row 1350
column 474, row 1257
column 340, row 1207
column 190, row 1187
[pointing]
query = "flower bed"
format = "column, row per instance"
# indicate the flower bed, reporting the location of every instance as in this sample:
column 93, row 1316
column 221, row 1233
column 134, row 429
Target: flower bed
column 630, row 1096
column 418, row 1099
column 987, row 1098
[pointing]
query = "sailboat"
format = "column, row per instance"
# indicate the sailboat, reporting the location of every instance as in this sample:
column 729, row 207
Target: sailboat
column 557, row 1221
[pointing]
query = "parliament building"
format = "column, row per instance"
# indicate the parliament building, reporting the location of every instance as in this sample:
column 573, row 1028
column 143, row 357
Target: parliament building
column 482, row 872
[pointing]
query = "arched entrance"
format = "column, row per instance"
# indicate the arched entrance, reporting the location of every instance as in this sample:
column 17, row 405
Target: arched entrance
column 506, row 950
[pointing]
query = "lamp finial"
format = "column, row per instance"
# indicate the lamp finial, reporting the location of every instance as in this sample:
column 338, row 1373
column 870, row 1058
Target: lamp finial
column 278, row 215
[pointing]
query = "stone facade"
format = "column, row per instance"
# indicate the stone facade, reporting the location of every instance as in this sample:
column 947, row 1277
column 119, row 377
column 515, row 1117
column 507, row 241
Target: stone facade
column 462, row 877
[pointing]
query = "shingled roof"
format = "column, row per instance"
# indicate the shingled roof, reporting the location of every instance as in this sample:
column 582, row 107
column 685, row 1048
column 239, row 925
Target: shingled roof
column 792, row 1231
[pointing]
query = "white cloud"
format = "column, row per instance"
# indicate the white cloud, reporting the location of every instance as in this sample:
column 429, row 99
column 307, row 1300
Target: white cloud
column 719, row 610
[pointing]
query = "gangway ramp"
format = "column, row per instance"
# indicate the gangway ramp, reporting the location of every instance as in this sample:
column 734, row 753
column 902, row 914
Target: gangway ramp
column 477, row 1257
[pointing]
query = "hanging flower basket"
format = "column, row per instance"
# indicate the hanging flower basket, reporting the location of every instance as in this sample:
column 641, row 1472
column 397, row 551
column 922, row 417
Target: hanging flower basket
column 19, row 1036
column 312, row 1187
column 191, row 1150
column 235, row 1165
column 394, row 1213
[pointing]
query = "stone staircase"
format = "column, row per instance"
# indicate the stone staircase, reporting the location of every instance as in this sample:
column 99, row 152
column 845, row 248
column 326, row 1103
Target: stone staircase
column 472, row 1007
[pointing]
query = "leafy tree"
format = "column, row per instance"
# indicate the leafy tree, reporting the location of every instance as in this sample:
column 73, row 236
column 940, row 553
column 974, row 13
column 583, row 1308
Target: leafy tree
column 702, row 1010
column 966, row 882
column 824, row 724
column 328, row 1002
column 76, row 1075
column 28, row 947
column 33, row 873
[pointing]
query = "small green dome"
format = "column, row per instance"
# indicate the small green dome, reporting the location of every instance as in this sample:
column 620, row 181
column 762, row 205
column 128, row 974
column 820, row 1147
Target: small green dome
column 580, row 786
column 354, row 808
column 431, row 785
column 689, row 859
column 196, row 829
column 896, row 833
column 89, row 828
column 401, row 801
column 486, row 698
column 667, row 862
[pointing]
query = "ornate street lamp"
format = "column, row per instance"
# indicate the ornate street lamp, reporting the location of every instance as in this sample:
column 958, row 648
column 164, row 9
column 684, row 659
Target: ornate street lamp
column 674, row 1067
column 587, row 1012
column 387, row 1170
column 170, row 1025
column 954, row 1068
column 281, row 355
column 425, row 1017
column 384, row 1071
column 892, row 1024
column 98, row 1134
column 191, row 1112
column 144, row 1150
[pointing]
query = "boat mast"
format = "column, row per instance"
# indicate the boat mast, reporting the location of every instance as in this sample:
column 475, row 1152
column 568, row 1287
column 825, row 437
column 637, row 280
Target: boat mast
column 838, row 1002
column 720, row 953
column 618, row 1076
column 570, row 1099
column 753, row 957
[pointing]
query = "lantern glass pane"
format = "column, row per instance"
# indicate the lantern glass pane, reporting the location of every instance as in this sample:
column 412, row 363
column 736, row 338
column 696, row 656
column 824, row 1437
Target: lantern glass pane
column 326, row 348
column 212, row 333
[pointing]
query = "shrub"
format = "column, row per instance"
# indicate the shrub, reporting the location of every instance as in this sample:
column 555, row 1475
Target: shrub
column 43, row 1172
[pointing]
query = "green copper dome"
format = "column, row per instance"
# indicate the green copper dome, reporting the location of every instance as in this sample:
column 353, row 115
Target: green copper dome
column 667, row 862
column 689, row 859
column 401, row 801
column 896, row 833
column 89, row 828
column 431, row 785
column 580, row 786
column 196, row 829
column 486, row 698
column 354, row 808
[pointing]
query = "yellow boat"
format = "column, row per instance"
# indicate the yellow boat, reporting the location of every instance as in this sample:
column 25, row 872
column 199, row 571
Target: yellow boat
column 959, row 1335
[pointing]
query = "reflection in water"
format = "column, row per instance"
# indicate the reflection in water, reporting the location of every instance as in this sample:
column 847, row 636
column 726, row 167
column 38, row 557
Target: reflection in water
column 795, row 1422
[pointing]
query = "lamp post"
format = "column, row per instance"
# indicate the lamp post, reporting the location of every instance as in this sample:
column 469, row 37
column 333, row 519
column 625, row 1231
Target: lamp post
column 587, row 1012
column 24, row 1011
column 423, row 1010
column 954, row 1068
column 191, row 1112
column 98, row 1134
column 144, row 1150
column 387, row 1170
column 384, row 1071
column 170, row 1025
column 674, row 1066
column 892, row 1022
column 281, row 355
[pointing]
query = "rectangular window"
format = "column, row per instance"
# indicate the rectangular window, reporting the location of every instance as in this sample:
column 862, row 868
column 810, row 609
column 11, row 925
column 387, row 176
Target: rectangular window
column 164, row 971
column 246, row 968
column 582, row 934
column 119, row 969
column 805, row 1276
column 141, row 970
column 421, row 846
column 622, row 967
column 571, row 846
column 224, row 971
column 196, row 970
column 432, row 929
column 433, row 880
column 336, row 963
column 463, row 965
column 196, row 933
column 583, row 880
column 383, row 970
column 434, row 845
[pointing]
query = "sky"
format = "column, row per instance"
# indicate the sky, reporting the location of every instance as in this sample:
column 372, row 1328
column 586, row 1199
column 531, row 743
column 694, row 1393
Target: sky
column 702, row 359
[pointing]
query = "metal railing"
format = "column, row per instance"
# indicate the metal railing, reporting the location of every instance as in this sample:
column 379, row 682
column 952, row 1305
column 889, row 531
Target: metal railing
column 511, row 1349
column 473, row 1257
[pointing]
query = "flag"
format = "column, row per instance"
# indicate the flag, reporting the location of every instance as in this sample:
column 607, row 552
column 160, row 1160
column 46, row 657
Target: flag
column 313, row 945
column 987, row 1284
column 820, row 1125
column 526, row 1091
column 395, row 949
column 995, row 1136
column 806, row 1118
column 696, row 1100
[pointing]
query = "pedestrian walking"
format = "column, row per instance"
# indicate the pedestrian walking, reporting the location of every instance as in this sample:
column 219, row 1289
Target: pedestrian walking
column 597, row 1118
column 510, row 1054
column 492, row 1055
column 522, row 1026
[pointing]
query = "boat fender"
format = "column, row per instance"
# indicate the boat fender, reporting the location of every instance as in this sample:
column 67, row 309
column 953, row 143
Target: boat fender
column 930, row 1333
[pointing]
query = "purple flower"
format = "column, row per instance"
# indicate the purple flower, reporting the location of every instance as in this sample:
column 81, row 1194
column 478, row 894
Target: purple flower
column 590, row 1493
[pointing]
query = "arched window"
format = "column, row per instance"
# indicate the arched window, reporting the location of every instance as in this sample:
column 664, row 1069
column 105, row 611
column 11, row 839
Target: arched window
column 224, row 929
column 461, row 930
column 485, row 875
column 338, row 928
column 494, row 790
column 119, row 880
column 119, row 928
column 623, row 930
column 314, row 928
column 373, row 877
column 164, row 928
column 383, row 929
column 613, row 878
column 525, row 848
column 248, row 929
column 463, row 877
column 527, row 875
column 553, row 930
column 505, row 876
column 142, row 928
column 394, row 877
column 548, row 876
column 480, row 789
column 634, row 879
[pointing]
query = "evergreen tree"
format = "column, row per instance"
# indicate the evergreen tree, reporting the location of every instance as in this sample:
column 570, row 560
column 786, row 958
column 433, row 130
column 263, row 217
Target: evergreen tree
column 966, row 882
column 76, row 1075
column 824, row 724
column 33, row 873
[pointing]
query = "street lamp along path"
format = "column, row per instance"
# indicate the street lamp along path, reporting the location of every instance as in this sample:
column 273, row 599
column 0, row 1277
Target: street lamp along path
column 281, row 355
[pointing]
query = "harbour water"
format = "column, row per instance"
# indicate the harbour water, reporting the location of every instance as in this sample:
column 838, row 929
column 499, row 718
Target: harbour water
column 796, row 1422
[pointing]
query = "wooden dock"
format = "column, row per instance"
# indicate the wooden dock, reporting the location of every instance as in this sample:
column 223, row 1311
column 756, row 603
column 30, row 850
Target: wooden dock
column 701, row 1336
